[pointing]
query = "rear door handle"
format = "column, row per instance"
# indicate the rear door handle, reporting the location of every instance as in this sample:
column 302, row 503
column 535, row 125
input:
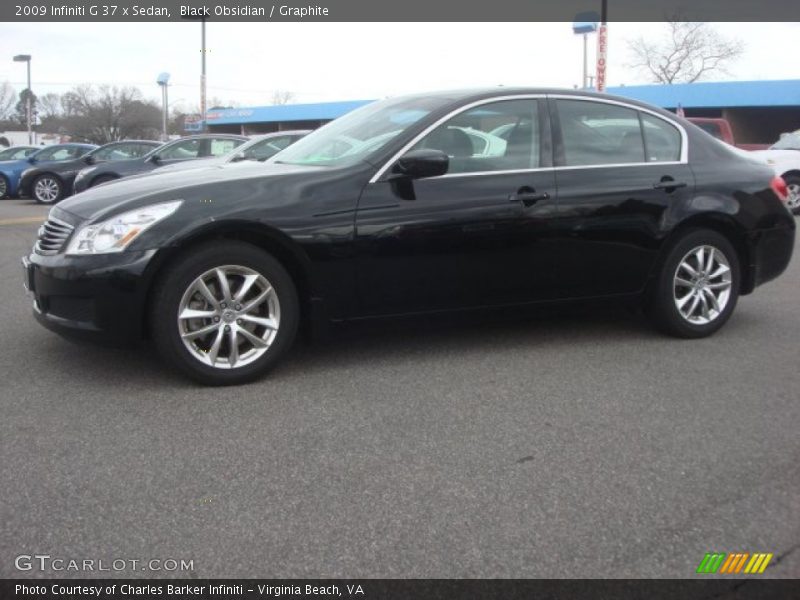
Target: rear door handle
column 528, row 196
column 669, row 184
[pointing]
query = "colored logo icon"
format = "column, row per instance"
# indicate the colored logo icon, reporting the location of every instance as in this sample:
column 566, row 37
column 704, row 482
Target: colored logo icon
column 734, row 563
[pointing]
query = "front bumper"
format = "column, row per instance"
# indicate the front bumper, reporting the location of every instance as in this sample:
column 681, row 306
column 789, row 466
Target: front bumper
column 99, row 298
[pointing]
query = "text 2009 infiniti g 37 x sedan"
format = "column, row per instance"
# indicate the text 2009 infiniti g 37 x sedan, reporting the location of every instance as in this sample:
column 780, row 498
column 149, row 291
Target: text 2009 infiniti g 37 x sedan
column 416, row 204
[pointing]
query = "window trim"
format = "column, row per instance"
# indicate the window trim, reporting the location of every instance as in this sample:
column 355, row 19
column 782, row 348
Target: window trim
column 684, row 156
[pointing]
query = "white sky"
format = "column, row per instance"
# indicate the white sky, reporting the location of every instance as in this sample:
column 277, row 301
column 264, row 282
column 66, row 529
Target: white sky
column 345, row 61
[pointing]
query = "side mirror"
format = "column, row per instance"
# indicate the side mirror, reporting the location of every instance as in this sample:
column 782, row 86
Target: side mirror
column 31, row 160
column 422, row 163
column 155, row 159
column 89, row 159
column 238, row 157
column 783, row 135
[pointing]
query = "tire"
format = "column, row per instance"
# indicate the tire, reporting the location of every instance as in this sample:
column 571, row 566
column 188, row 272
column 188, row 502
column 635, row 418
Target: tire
column 793, row 185
column 3, row 187
column 47, row 189
column 178, row 291
column 690, row 321
column 102, row 179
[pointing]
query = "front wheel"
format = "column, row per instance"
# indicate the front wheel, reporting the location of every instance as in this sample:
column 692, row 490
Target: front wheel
column 3, row 186
column 225, row 313
column 47, row 189
column 698, row 285
column 793, row 187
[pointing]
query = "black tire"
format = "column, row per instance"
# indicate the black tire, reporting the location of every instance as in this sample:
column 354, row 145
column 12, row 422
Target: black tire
column 662, row 307
column 793, row 180
column 102, row 179
column 3, row 187
column 55, row 184
column 175, row 280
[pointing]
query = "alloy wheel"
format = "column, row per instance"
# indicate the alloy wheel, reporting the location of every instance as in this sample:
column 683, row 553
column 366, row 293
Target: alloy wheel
column 3, row 187
column 229, row 316
column 793, row 200
column 46, row 190
column 702, row 285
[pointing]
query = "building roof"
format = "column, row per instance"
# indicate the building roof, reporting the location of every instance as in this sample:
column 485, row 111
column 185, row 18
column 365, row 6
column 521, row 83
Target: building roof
column 320, row 111
column 716, row 94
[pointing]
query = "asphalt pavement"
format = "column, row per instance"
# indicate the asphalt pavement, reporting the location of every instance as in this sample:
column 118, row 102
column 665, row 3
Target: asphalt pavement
column 573, row 445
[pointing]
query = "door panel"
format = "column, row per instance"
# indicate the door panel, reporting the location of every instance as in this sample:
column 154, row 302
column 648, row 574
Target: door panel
column 461, row 243
column 615, row 166
column 609, row 225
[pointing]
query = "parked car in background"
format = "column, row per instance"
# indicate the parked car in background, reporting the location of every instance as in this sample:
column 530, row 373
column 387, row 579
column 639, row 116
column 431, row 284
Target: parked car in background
column 17, row 152
column 721, row 129
column 51, row 181
column 258, row 148
column 784, row 158
column 593, row 196
column 11, row 170
column 183, row 149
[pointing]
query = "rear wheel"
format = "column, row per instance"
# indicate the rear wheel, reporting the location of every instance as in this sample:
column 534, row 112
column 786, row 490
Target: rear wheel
column 793, row 187
column 224, row 314
column 47, row 189
column 3, row 186
column 698, row 285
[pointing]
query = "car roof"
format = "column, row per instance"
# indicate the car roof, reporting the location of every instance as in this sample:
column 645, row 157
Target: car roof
column 202, row 136
column 477, row 94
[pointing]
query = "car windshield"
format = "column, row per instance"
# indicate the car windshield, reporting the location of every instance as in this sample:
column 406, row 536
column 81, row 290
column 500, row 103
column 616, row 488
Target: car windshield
column 790, row 141
column 350, row 138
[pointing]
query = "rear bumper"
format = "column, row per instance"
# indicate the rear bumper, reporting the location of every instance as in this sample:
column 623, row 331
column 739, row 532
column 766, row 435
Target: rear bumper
column 97, row 298
column 770, row 252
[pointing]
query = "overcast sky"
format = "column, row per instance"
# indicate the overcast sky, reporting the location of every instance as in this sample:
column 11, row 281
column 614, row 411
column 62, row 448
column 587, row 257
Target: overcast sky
column 344, row 61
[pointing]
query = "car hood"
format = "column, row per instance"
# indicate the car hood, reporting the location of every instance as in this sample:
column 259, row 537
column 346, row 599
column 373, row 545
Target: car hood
column 778, row 155
column 197, row 163
column 132, row 192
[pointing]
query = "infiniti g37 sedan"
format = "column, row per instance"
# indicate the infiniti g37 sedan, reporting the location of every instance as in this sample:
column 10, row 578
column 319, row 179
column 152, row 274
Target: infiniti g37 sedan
column 400, row 208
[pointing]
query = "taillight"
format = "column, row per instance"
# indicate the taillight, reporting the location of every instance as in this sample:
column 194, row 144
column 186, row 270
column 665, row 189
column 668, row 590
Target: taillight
column 778, row 186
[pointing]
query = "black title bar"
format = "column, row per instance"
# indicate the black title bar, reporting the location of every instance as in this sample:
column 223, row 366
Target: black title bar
column 404, row 10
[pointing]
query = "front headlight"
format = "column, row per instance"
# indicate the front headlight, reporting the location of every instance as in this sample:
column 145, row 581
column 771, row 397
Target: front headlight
column 115, row 234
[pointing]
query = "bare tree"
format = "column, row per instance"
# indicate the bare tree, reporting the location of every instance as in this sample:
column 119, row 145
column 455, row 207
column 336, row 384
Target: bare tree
column 7, row 100
column 689, row 52
column 282, row 97
column 49, row 106
column 107, row 114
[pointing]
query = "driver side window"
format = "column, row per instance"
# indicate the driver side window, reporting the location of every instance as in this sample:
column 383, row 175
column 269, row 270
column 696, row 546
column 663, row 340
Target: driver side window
column 499, row 136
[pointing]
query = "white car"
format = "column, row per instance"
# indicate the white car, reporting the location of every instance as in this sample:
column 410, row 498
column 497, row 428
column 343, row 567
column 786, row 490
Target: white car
column 784, row 158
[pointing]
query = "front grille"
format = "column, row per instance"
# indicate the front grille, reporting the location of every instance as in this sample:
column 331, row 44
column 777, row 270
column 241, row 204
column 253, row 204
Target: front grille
column 52, row 236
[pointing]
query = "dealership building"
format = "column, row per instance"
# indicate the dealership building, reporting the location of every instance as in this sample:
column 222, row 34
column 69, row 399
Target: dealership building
column 758, row 111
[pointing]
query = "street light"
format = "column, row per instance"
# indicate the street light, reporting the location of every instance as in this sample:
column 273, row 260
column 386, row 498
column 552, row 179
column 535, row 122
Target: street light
column 163, row 81
column 26, row 58
column 584, row 24
column 202, row 66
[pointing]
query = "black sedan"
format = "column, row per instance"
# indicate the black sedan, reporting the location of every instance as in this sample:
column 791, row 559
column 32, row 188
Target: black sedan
column 187, row 148
column 445, row 201
column 50, row 182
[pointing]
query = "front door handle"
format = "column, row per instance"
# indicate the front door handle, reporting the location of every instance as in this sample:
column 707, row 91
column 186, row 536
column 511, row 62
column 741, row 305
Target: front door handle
column 528, row 196
column 667, row 183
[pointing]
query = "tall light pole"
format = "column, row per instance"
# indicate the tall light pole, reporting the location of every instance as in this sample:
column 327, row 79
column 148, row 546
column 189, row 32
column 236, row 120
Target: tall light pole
column 163, row 82
column 26, row 58
column 203, row 74
column 584, row 24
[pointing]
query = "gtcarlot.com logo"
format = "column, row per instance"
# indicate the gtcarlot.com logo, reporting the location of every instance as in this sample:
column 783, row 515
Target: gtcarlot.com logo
column 46, row 562
column 734, row 563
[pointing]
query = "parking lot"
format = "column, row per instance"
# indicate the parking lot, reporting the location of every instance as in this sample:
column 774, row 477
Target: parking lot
column 570, row 445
